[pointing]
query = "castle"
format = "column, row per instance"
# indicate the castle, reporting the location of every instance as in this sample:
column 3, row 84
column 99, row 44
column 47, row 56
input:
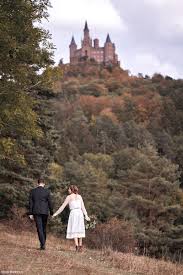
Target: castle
column 88, row 51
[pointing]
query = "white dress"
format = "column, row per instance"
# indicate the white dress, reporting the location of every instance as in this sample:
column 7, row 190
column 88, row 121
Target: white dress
column 76, row 226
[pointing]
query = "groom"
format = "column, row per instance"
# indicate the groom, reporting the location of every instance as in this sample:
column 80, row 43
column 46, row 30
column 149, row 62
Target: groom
column 39, row 206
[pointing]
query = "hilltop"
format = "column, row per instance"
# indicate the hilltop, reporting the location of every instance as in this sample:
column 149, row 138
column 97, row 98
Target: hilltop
column 91, row 69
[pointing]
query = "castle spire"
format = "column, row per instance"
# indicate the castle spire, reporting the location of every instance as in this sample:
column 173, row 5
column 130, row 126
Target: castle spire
column 108, row 39
column 73, row 41
column 86, row 27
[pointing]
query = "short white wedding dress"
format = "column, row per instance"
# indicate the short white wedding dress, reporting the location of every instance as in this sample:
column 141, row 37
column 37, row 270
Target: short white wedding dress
column 76, row 226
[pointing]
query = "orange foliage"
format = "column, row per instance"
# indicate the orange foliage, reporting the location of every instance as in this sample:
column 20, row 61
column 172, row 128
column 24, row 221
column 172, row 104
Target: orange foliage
column 107, row 112
column 92, row 105
column 148, row 105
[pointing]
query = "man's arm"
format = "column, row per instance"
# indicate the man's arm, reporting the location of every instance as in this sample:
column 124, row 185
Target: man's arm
column 30, row 203
column 50, row 204
column 31, row 206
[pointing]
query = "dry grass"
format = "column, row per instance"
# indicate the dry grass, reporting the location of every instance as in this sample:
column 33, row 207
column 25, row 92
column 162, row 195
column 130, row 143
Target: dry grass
column 142, row 265
column 18, row 252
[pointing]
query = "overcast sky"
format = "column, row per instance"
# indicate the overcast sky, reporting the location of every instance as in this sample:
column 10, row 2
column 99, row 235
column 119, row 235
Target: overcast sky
column 148, row 33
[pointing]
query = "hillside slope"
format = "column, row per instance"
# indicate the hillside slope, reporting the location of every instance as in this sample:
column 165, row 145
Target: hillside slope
column 119, row 139
column 19, row 253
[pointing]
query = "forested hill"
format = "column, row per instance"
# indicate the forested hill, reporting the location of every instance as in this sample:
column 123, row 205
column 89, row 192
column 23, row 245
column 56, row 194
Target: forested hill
column 119, row 138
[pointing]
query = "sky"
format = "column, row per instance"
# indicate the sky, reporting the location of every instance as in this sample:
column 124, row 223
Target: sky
column 148, row 33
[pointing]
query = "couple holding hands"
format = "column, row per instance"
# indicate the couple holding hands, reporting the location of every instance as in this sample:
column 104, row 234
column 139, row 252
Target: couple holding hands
column 40, row 205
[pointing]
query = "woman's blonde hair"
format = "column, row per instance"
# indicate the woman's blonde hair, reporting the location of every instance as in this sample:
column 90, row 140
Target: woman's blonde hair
column 74, row 189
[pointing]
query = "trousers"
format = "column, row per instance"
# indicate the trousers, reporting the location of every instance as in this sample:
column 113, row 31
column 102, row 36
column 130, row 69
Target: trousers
column 41, row 223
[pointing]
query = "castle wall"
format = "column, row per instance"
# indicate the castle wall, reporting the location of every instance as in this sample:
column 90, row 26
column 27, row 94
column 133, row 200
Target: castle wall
column 98, row 54
column 102, row 54
column 86, row 51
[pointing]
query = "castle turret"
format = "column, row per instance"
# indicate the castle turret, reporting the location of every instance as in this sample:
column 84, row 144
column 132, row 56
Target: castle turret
column 73, row 48
column 96, row 43
column 87, row 41
column 108, row 39
column 73, row 43
column 86, row 29
column 109, row 50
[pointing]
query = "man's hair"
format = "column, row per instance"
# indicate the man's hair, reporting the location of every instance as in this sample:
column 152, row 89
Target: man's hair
column 40, row 180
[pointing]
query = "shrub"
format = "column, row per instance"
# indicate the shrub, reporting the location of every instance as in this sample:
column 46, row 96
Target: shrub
column 93, row 88
column 115, row 234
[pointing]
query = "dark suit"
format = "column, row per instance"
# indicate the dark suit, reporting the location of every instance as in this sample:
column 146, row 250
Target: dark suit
column 40, row 205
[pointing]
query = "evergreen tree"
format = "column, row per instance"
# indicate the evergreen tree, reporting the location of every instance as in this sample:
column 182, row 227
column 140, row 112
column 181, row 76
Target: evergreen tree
column 24, row 50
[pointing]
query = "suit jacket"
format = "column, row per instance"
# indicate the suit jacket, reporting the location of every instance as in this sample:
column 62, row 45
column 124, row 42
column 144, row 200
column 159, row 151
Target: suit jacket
column 40, row 201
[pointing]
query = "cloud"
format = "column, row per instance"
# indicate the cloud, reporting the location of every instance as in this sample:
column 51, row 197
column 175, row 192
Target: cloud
column 99, row 13
column 155, row 28
column 147, row 60
column 158, row 2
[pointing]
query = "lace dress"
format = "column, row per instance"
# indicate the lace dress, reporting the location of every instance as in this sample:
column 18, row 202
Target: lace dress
column 76, row 226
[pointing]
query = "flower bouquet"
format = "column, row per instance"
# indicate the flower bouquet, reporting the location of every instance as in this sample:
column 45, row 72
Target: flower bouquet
column 92, row 223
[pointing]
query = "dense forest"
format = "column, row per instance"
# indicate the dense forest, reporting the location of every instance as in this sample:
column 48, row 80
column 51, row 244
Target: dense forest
column 118, row 137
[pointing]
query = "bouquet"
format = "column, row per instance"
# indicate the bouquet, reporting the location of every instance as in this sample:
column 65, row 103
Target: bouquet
column 92, row 223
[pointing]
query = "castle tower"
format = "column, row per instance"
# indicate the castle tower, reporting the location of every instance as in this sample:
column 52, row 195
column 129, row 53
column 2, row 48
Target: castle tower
column 109, row 50
column 87, row 41
column 73, row 48
column 96, row 43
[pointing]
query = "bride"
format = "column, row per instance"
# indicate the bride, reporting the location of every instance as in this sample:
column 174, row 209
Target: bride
column 76, row 226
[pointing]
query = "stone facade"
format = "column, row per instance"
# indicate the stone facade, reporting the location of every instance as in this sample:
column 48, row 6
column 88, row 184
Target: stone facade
column 92, row 51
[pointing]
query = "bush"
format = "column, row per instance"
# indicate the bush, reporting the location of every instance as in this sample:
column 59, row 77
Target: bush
column 115, row 234
column 8, row 195
column 93, row 88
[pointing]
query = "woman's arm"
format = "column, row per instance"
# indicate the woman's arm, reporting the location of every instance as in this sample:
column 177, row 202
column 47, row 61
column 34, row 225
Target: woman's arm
column 84, row 210
column 62, row 206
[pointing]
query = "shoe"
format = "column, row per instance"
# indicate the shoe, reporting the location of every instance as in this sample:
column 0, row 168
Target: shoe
column 80, row 248
column 42, row 247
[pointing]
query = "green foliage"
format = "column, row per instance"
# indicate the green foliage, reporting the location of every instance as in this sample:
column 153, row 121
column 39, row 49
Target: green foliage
column 100, row 161
column 21, row 54
column 25, row 49
column 93, row 88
